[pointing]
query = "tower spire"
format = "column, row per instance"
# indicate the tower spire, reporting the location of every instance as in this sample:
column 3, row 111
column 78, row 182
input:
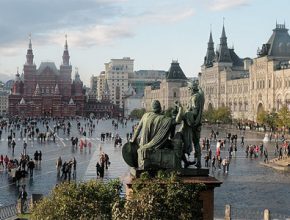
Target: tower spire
column 223, row 36
column 30, row 44
column 65, row 45
column 29, row 54
column 65, row 56
column 17, row 76
column 223, row 54
column 210, row 54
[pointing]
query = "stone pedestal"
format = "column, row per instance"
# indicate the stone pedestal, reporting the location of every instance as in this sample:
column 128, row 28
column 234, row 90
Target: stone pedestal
column 188, row 176
column 35, row 198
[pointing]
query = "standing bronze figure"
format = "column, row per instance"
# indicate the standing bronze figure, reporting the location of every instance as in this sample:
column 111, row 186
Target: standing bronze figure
column 191, row 123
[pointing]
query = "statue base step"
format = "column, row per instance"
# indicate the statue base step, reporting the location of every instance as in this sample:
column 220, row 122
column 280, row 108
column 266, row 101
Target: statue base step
column 184, row 172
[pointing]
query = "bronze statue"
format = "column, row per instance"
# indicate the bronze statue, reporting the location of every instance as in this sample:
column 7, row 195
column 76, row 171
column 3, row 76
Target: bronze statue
column 155, row 149
column 159, row 147
column 191, row 123
column 154, row 127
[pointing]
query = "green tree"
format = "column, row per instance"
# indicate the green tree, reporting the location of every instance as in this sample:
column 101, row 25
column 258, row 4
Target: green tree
column 222, row 114
column 137, row 113
column 90, row 200
column 271, row 119
column 163, row 197
column 262, row 117
column 283, row 118
column 208, row 115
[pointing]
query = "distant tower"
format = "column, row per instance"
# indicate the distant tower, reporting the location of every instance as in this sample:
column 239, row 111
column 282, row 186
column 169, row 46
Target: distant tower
column 65, row 71
column 16, row 86
column 223, row 53
column 29, row 55
column 210, row 54
column 29, row 70
column 106, row 93
column 37, row 91
column 56, row 90
column 65, row 56
column 77, row 84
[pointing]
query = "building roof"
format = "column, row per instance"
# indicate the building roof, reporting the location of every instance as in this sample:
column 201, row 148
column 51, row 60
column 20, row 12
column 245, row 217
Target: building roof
column 22, row 101
column 237, row 61
column 279, row 43
column 175, row 72
column 71, row 102
column 50, row 65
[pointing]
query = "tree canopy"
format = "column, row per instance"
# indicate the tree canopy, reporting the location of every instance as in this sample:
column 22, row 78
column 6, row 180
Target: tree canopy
column 221, row 115
column 137, row 113
column 89, row 200
column 164, row 197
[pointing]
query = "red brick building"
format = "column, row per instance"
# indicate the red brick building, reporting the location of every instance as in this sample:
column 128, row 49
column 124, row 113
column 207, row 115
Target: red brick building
column 46, row 90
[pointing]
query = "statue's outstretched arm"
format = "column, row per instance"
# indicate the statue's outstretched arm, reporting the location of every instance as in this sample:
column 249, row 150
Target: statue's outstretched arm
column 137, row 131
column 179, row 115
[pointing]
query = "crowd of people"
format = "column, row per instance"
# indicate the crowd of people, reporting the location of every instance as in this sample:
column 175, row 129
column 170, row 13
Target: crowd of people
column 218, row 151
column 21, row 160
column 226, row 148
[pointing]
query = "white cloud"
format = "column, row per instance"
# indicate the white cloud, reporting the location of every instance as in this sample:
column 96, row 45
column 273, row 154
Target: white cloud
column 12, row 50
column 95, row 35
column 168, row 16
column 95, row 22
column 219, row 5
column 104, row 34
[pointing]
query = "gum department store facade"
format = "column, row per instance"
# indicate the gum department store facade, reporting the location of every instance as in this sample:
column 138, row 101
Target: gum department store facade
column 246, row 86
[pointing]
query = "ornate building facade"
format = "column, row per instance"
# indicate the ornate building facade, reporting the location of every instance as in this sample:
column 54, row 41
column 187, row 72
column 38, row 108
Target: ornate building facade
column 172, row 88
column 248, row 86
column 46, row 90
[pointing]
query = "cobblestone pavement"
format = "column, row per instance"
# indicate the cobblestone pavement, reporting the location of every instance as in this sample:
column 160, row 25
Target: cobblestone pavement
column 248, row 186
column 44, row 177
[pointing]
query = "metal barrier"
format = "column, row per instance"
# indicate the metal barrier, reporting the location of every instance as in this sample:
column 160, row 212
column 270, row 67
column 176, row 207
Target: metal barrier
column 244, row 213
column 8, row 211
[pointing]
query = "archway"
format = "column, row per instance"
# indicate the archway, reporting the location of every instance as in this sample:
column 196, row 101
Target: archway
column 260, row 108
column 210, row 107
column 278, row 102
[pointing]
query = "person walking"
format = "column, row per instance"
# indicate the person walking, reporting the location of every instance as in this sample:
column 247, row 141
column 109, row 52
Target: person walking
column 98, row 169
column 213, row 163
column 107, row 161
column 40, row 156
column 6, row 160
column 69, row 169
column 2, row 160
column 64, row 170
column 206, row 159
column 266, row 160
column 24, row 147
column 227, row 165
column 280, row 153
column 13, row 143
column 224, row 164
column 36, row 156
column 23, row 199
column 74, row 167
column 58, row 166
column 31, row 166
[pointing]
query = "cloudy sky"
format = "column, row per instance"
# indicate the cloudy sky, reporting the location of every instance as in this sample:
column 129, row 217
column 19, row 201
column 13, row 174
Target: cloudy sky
column 152, row 32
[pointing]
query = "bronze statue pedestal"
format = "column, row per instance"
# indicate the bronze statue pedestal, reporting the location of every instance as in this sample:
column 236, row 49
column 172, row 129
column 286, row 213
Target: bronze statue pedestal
column 188, row 176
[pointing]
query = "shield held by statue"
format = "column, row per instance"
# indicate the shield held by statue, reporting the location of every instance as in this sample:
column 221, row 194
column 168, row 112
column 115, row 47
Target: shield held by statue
column 129, row 152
